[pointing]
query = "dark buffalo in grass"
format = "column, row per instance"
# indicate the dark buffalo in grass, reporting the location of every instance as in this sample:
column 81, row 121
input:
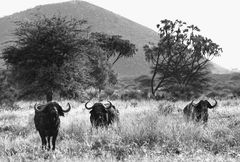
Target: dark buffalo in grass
column 47, row 122
column 101, row 115
column 199, row 111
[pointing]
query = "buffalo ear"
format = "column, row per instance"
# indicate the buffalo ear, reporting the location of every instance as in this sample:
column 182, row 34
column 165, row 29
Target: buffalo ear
column 60, row 112
column 59, row 109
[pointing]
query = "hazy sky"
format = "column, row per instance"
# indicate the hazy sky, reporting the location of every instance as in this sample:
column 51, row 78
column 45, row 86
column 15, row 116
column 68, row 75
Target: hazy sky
column 217, row 19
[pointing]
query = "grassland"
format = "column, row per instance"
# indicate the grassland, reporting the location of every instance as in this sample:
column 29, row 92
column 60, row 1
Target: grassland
column 148, row 131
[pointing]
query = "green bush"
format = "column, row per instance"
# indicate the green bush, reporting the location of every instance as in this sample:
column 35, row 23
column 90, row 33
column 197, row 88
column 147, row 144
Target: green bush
column 131, row 94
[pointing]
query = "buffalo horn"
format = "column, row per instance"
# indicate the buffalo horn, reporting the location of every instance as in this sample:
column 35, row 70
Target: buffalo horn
column 39, row 108
column 110, row 105
column 89, row 108
column 69, row 108
column 192, row 102
column 212, row 106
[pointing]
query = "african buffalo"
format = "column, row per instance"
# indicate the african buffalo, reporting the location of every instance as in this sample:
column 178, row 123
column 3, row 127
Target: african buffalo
column 102, row 115
column 47, row 121
column 198, row 112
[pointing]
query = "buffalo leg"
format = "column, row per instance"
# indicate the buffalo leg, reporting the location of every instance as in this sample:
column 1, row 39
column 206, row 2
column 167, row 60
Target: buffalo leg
column 43, row 138
column 48, row 142
column 54, row 140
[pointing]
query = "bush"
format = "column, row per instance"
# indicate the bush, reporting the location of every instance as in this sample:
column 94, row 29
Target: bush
column 131, row 94
column 184, row 93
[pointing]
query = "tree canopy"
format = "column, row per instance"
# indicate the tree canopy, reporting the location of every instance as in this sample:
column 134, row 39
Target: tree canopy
column 47, row 55
column 114, row 46
column 181, row 57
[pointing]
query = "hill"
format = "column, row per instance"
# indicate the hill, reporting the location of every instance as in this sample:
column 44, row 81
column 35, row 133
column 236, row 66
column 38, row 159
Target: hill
column 100, row 20
column 217, row 69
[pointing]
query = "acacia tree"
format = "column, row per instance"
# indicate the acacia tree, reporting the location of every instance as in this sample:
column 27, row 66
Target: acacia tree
column 100, row 70
column 181, row 56
column 114, row 46
column 47, row 55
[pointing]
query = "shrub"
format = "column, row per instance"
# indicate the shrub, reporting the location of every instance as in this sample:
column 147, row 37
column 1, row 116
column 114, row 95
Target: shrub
column 131, row 94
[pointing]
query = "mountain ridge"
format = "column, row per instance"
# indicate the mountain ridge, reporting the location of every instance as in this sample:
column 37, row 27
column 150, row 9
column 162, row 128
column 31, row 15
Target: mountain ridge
column 100, row 20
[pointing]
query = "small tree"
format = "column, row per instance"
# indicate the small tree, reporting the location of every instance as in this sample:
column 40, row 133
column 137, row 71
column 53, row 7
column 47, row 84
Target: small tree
column 181, row 57
column 114, row 46
column 100, row 71
column 47, row 55
column 8, row 94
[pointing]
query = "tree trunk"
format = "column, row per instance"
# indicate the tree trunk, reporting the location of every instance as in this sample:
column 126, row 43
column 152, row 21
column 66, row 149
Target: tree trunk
column 119, row 55
column 99, row 95
column 154, row 74
column 49, row 96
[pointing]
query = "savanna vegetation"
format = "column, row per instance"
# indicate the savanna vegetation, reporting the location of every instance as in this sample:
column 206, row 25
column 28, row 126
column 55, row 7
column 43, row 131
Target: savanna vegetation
column 59, row 58
column 148, row 131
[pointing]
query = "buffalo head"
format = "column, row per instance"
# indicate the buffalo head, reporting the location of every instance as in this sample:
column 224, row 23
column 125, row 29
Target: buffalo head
column 52, row 108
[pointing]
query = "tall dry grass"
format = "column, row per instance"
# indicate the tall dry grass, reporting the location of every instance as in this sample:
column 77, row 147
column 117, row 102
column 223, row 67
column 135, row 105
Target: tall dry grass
column 148, row 131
